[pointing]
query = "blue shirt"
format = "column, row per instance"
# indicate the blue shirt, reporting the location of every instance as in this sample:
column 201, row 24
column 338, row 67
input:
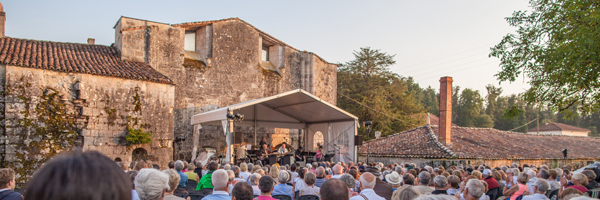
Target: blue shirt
column 320, row 181
column 283, row 189
column 218, row 195
column 183, row 178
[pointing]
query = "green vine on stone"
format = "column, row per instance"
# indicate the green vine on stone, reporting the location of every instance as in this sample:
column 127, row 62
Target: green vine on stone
column 138, row 136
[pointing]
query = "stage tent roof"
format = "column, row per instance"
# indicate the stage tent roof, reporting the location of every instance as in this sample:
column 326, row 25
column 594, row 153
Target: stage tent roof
column 293, row 109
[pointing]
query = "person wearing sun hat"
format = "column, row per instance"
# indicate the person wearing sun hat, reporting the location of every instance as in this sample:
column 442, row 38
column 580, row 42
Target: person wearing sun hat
column 394, row 179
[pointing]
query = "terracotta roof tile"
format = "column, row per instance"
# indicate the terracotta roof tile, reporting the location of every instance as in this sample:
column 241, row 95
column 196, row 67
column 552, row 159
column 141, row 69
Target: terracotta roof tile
column 488, row 143
column 558, row 127
column 418, row 142
column 78, row 58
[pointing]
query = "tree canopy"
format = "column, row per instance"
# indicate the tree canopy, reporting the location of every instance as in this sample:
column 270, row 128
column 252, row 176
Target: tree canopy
column 556, row 46
column 369, row 90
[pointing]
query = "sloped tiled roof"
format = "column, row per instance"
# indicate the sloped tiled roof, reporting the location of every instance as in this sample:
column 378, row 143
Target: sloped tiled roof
column 488, row 143
column 419, row 142
column 558, row 127
column 77, row 58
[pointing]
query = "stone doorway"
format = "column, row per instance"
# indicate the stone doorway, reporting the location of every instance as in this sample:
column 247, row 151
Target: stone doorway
column 139, row 154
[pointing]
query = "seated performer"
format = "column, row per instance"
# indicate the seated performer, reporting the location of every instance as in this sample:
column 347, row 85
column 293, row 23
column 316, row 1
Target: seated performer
column 281, row 151
column 263, row 155
column 299, row 156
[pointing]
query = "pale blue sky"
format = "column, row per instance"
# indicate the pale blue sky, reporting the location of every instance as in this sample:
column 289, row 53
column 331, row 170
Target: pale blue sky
column 429, row 38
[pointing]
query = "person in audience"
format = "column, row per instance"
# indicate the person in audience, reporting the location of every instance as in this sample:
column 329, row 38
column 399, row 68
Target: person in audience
column 310, row 188
column 266, row 186
column 334, row 189
column 532, row 178
column 453, row 182
column 320, row 176
column 150, row 184
column 206, row 180
column 579, row 183
column 423, row 187
column 75, row 175
column 406, row 192
column 540, row 187
column 198, row 170
column 190, row 172
column 232, row 180
column 221, row 182
column 171, row 164
column 381, row 188
column 513, row 173
column 440, row 183
column 299, row 182
column 179, row 165
column 489, row 179
column 517, row 189
column 173, row 183
column 553, row 179
column 134, row 194
column 242, row 191
column 497, row 175
column 253, row 180
column 337, row 170
column 282, row 188
column 394, row 179
column 367, row 183
column 474, row 190
column 351, row 183
column 591, row 177
column 408, row 179
column 139, row 165
column 7, row 185
column 185, row 166
column 569, row 193
column 244, row 174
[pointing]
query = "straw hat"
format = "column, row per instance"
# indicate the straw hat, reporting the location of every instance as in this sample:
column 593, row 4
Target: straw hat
column 393, row 178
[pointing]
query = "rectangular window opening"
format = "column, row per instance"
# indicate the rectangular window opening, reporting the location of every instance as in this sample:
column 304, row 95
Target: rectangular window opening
column 265, row 53
column 190, row 41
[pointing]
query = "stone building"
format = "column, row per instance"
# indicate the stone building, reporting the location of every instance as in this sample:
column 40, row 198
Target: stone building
column 559, row 129
column 439, row 142
column 154, row 77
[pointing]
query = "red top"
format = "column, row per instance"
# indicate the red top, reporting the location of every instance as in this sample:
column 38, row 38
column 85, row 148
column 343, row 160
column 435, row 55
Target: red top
column 582, row 189
column 492, row 183
column 264, row 198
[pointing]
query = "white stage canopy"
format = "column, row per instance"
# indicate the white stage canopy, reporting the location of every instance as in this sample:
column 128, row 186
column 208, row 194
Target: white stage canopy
column 296, row 109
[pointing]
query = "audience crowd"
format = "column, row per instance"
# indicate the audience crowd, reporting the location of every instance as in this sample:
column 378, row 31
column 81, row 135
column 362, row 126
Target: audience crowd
column 90, row 175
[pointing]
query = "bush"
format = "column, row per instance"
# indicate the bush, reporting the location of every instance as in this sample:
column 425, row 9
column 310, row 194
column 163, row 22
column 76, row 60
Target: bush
column 138, row 136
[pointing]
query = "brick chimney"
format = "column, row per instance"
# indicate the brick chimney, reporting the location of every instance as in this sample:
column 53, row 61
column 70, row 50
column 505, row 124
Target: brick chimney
column 91, row 41
column 2, row 20
column 445, row 127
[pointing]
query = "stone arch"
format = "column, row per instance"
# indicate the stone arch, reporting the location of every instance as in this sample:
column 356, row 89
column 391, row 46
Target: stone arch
column 318, row 139
column 139, row 154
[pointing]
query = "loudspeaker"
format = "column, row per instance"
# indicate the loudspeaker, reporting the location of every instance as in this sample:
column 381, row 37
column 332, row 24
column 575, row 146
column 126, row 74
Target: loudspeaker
column 358, row 139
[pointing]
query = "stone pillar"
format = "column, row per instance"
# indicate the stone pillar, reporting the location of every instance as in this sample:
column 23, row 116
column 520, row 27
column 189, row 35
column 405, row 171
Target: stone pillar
column 2, row 20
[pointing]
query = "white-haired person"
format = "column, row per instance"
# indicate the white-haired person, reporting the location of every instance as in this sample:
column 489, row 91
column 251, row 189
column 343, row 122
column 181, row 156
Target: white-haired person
column 532, row 178
column 151, row 184
column 474, row 190
column 244, row 174
column 441, row 185
column 540, row 187
column 337, row 170
column 179, row 165
column 220, row 181
column 173, row 182
column 282, row 188
column 367, row 183
column 310, row 188
column 253, row 180
column 579, row 182
column 435, row 197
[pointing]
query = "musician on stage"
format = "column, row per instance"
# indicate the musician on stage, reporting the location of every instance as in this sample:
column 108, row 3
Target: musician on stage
column 282, row 150
column 263, row 141
column 264, row 153
column 320, row 156
column 299, row 156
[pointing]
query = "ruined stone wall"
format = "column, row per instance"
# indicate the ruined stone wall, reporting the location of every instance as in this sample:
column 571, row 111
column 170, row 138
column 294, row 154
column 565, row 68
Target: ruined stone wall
column 48, row 112
column 325, row 80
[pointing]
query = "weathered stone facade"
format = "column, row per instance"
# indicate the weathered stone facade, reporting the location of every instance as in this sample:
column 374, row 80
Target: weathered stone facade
column 101, row 109
column 231, row 70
